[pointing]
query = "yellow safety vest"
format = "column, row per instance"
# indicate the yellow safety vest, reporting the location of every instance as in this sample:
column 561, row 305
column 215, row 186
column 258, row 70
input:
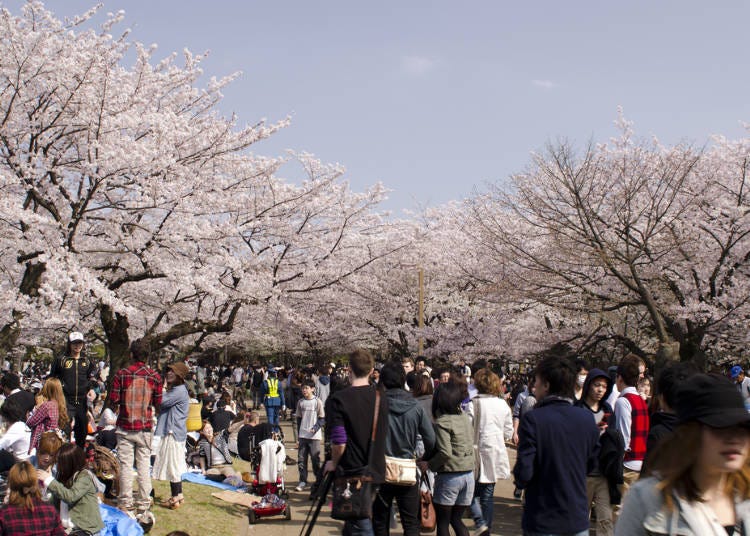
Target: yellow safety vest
column 273, row 388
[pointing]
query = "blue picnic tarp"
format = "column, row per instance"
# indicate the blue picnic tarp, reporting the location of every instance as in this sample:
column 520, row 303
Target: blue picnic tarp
column 118, row 523
column 197, row 478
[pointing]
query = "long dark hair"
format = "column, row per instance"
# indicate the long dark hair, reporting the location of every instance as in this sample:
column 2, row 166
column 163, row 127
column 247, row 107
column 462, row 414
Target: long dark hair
column 71, row 460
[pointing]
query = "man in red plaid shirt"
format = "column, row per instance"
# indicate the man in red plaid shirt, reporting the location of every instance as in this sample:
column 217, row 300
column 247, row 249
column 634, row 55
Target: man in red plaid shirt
column 135, row 391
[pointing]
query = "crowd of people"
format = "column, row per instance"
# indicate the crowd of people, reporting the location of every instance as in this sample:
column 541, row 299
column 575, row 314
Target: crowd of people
column 667, row 457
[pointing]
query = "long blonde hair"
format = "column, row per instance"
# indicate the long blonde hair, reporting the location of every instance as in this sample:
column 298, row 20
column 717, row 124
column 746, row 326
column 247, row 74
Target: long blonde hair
column 53, row 390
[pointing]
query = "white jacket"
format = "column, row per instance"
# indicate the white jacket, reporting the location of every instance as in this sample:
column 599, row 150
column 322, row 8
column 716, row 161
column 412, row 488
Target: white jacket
column 495, row 424
column 272, row 460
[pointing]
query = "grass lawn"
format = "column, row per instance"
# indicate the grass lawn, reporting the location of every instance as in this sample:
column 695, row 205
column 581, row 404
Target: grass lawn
column 201, row 514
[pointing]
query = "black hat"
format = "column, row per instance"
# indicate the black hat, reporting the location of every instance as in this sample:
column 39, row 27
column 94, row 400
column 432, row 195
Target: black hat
column 711, row 400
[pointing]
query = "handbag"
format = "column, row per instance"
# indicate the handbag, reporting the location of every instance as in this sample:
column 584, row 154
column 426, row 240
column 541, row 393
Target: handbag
column 400, row 471
column 427, row 517
column 353, row 495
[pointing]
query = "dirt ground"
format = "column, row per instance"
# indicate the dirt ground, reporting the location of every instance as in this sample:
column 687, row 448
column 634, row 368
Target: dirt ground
column 507, row 512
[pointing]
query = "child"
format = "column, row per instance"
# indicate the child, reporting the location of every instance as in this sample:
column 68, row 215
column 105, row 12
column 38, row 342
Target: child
column 25, row 510
column 310, row 419
column 75, row 486
column 107, row 437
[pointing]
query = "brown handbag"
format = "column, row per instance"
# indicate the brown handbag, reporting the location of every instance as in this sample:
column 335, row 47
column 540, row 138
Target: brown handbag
column 427, row 517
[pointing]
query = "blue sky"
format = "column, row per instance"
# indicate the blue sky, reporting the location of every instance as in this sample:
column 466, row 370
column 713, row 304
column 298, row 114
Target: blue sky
column 436, row 98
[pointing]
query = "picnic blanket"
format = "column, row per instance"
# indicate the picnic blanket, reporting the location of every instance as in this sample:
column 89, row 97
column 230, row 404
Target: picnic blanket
column 197, row 478
column 236, row 497
column 118, row 523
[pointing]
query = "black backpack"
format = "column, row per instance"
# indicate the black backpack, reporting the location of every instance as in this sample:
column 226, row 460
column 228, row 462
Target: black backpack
column 257, row 379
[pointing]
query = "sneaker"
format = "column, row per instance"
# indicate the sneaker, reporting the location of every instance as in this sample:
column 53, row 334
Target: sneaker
column 301, row 486
column 517, row 493
column 481, row 530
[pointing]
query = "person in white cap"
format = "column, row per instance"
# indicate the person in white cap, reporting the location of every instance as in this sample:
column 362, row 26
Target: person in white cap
column 76, row 372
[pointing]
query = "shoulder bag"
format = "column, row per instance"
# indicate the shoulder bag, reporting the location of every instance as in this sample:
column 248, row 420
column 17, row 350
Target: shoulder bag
column 427, row 517
column 353, row 495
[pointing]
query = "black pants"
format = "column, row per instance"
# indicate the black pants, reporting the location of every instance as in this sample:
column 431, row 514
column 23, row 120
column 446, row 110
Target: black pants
column 77, row 411
column 407, row 499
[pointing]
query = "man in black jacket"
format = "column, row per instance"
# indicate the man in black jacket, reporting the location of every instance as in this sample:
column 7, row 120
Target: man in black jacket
column 76, row 372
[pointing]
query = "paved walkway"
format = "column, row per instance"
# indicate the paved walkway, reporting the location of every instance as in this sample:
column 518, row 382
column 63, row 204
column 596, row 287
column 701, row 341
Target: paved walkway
column 507, row 512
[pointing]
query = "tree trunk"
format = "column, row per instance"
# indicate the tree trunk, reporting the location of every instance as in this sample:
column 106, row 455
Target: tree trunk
column 115, row 328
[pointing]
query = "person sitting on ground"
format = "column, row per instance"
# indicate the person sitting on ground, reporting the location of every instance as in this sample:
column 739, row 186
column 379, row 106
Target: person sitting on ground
column 76, row 487
column 215, row 458
column 107, row 434
column 46, row 457
column 25, row 512
column 233, row 431
column 222, row 417
column 11, row 385
column 14, row 443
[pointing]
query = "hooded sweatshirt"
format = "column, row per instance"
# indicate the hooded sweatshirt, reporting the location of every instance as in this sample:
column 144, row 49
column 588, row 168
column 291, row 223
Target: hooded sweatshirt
column 323, row 388
column 406, row 419
column 604, row 407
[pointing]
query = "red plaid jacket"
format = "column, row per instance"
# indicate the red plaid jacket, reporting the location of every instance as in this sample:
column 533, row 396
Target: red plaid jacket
column 20, row 521
column 134, row 390
column 44, row 418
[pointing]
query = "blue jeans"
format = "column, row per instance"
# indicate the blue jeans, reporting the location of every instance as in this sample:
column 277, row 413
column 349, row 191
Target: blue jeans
column 358, row 527
column 582, row 533
column 272, row 412
column 482, row 503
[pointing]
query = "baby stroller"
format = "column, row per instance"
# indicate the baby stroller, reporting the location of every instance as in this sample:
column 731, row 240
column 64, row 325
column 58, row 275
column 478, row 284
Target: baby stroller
column 268, row 463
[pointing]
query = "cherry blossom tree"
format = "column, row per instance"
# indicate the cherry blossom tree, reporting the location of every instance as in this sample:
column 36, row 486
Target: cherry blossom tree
column 644, row 245
column 131, row 206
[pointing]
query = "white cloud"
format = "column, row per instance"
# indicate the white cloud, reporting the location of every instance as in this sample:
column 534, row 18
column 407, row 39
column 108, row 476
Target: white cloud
column 544, row 84
column 417, row 65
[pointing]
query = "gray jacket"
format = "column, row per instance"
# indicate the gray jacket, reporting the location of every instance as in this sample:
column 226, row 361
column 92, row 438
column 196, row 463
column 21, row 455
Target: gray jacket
column 645, row 514
column 406, row 420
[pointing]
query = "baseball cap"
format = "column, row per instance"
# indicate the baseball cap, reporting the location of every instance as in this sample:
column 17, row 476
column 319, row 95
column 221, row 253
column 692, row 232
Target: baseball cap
column 711, row 400
column 735, row 371
column 76, row 336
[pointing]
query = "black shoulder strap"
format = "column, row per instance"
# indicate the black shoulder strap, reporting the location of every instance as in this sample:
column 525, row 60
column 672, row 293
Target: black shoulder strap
column 374, row 433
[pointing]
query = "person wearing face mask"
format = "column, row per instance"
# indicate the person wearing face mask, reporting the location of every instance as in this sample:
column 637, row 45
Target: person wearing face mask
column 607, row 473
column 582, row 369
